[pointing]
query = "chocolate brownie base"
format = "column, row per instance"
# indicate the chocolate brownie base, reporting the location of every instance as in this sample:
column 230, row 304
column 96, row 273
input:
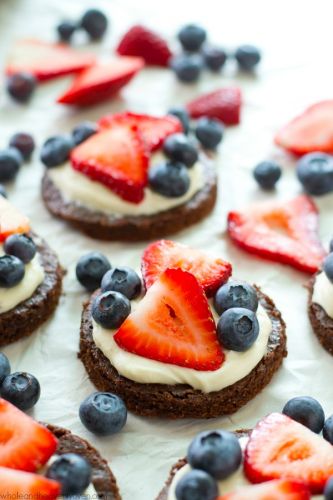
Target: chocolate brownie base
column 27, row 316
column 132, row 228
column 102, row 478
column 182, row 401
column 322, row 324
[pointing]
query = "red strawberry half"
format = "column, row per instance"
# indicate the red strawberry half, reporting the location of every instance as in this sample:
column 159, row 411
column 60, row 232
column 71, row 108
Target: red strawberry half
column 173, row 324
column 101, row 81
column 285, row 232
column 46, row 60
column 18, row 484
column 211, row 273
column 223, row 104
column 281, row 448
column 311, row 131
column 24, row 444
column 141, row 41
column 280, row 489
column 117, row 158
column 154, row 129
column 11, row 220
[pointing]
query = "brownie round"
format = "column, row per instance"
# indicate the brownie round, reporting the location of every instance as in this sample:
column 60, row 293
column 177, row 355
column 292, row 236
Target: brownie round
column 322, row 324
column 182, row 401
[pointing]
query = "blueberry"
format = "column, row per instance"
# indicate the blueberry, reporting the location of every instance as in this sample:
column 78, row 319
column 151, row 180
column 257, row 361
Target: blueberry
column 315, row 172
column 72, row 471
column 3, row 191
column 235, row 293
column 214, row 57
column 197, row 485
column 192, row 37
column 216, row 452
column 178, row 147
column 83, row 131
column 328, row 490
column 328, row 266
column 21, row 246
column 24, row 143
column 21, row 389
column 267, row 173
column 91, row 268
column 183, row 117
column 66, row 30
column 4, row 366
column 122, row 279
column 103, row 413
column 328, row 429
column 247, row 57
column 11, row 271
column 56, row 150
column 94, row 22
column 187, row 67
column 209, row 132
column 169, row 179
column 237, row 329
column 307, row 411
column 10, row 162
column 21, row 86
column 110, row 309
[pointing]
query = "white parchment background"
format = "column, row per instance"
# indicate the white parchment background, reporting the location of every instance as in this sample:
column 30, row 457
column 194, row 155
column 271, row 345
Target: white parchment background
column 296, row 71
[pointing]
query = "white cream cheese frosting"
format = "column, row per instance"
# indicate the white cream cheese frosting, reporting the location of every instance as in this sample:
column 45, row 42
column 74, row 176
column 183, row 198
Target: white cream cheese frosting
column 323, row 293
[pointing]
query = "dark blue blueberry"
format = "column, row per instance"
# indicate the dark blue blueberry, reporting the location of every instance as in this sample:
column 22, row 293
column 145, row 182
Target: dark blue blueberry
column 267, row 173
column 3, row 191
column 103, row 413
column 192, row 37
column 307, row 411
column 21, row 389
column 91, row 268
column 182, row 116
column 72, row 471
column 95, row 23
column 216, row 452
column 187, row 67
column 315, row 172
column 10, row 162
column 11, row 271
column 124, row 280
column 21, row 86
column 4, row 366
column 328, row 429
column 214, row 57
column 197, row 485
column 66, row 30
column 328, row 266
column 83, row 131
column 21, row 246
column 24, row 143
column 209, row 132
column 328, row 490
column 235, row 293
column 169, row 179
column 237, row 329
column 110, row 309
column 247, row 57
column 56, row 150
column 178, row 147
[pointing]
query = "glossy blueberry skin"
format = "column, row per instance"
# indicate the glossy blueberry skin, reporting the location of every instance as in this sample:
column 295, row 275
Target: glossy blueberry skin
column 10, row 162
column 110, row 309
column 328, row 266
column 196, row 485
column 328, row 490
column 21, row 86
column 21, row 246
column 237, row 329
column 66, row 30
column 4, row 366
column 267, row 174
column 209, row 132
column 307, row 411
column 192, row 37
column 24, row 143
column 83, row 131
column 187, row 68
column 72, row 471
column 328, row 429
column 214, row 57
column 124, row 280
column 315, row 172
column 56, row 150
column 179, row 148
column 103, row 413
column 21, row 389
column 169, row 179
column 235, row 293
column 182, row 116
column 11, row 271
column 95, row 23
column 90, row 270
column 247, row 57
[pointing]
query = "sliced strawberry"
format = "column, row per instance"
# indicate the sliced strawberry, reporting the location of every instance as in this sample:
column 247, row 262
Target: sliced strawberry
column 11, row 220
column 173, row 324
column 281, row 448
column 117, row 158
column 154, row 129
column 211, row 273
column 17, row 484
column 285, row 232
column 47, row 60
column 279, row 489
column 310, row 131
column 224, row 104
column 24, row 443
column 141, row 41
column 101, row 81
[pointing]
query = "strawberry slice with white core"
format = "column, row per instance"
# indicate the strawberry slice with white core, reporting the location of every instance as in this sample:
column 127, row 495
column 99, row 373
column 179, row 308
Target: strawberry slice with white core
column 173, row 324
column 281, row 448
column 16, row 484
column 11, row 220
column 210, row 272
column 279, row 489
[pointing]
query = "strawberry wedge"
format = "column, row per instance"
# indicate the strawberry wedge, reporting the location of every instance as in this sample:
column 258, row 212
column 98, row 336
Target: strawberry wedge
column 16, row 484
column 280, row 489
column 223, row 104
column 12, row 221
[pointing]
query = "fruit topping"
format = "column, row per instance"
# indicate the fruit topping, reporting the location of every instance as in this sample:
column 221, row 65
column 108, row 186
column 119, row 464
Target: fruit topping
column 179, row 148
column 197, row 484
column 73, row 473
column 21, row 389
column 24, row 143
column 279, row 489
column 307, row 411
column 21, row 86
column 18, row 484
column 12, row 271
column 56, row 150
column 124, row 280
column 183, row 117
column 267, row 174
column 103, row 413
column 214, row 57
column 187, row 67
column 247, row 57
column 11, row 220
column 10, row 163
column 315, row 172
column 235, row 293
column 192, row 37
column 209, row 132
column 21, row 246
column 237, row 329
column 223, row 104
column 83, row 131
column 169, row 179
column 91, row 268
column 95, row 23
column 110, row 309
column 66, row 30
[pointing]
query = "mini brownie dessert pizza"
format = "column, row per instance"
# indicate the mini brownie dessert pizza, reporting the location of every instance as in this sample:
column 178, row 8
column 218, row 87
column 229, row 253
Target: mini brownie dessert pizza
column 282, row 458
column 129, row 177
column 191, row 345
column 30, row 276
column 44, row 461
